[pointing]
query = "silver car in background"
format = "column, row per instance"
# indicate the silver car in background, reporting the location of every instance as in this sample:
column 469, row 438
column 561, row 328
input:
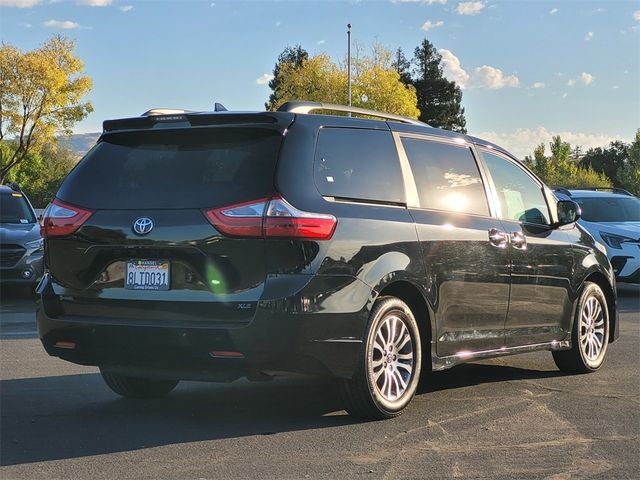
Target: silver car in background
column 21, row 246
column 612, row 217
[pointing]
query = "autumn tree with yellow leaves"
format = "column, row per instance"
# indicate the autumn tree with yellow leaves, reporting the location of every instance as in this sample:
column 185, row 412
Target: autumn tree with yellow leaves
column 375, row 83
column 41, row 95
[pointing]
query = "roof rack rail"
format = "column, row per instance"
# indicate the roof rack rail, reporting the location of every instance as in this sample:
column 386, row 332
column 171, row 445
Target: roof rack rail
column 621, row 191
column 562, row 190
column 305, row 107
column 164, row 111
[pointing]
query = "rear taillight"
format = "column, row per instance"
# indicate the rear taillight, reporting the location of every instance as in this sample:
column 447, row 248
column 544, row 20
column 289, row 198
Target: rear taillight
column 271, row 218
column 61, row 219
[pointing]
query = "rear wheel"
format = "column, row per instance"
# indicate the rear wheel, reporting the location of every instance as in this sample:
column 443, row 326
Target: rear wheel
column 590, row 334
column 390, row 363
column 135, row 387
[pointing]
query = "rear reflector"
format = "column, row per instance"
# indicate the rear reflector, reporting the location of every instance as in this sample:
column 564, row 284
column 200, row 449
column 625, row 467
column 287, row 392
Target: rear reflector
column 61, row 219
column 226, row 354
column 271, row 218
column 67, row 345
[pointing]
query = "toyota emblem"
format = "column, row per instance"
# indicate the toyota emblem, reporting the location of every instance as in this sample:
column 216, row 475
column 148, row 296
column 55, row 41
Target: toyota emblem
column 143, row 225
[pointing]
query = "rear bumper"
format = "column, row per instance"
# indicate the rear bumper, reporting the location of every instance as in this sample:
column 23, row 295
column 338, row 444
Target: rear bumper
column 304, row 332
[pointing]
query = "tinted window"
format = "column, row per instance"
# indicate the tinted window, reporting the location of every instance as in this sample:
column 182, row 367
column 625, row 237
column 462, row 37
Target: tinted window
column 186, row 168
column 519, row 195
column 15, row 209
column 360, row 164
column 609, row 209
column 447, row 177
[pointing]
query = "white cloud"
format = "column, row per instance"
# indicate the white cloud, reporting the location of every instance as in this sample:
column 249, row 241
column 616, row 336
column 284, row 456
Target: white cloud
column 587, row 78
column 523, row 140
column 19, row 3
column 453, row 69
column 553, row 11
column 63, row 24
column 584, row 78
column 493, row 78
column 481, row 77
column 321, row 42
column 428, row 25
column 278, row 23
column 616, row 87
column 264, row 79
column 636, row 15
column 25, row 25
column 538, row 85
column 126, row 8
column 95, row 3
column 213, row 4
column 469, row 8
column 588, row 36
column 564, row 95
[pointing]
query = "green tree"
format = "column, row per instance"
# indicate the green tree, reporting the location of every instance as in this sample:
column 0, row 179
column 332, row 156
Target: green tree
column 402, row 66
column 42, row 172
column 290, row 59
column 608, row 160
column 558, row 170
column 375, row 84
column 628, row 175
column 439, row 99
column 41, row 94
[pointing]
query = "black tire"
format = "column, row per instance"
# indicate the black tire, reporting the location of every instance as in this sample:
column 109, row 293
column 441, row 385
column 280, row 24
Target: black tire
column 134, row 387
column 362, row 394
column 580, row 358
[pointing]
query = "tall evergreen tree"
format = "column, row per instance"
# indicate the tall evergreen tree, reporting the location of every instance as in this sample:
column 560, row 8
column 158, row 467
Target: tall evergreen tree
column 439, row 99
column 295, row 56
column 402, row 66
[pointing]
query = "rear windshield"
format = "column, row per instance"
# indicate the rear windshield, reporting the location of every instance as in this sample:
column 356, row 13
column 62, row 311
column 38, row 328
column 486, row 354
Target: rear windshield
column 172, row 169
column 609, row 209
column 15, row 209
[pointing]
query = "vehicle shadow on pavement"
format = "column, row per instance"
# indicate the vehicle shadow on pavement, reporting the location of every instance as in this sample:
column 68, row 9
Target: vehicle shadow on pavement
column 51, row 418
column 71, row 416
column 475, row 373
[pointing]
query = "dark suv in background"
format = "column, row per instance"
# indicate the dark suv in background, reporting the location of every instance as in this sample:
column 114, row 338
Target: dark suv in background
column 210, row 246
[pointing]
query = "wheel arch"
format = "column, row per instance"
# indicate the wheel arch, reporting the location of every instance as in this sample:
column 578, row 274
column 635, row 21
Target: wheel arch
column 409, row 293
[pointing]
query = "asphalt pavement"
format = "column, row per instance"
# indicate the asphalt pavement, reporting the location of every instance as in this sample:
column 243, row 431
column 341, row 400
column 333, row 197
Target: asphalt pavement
column 514, row 417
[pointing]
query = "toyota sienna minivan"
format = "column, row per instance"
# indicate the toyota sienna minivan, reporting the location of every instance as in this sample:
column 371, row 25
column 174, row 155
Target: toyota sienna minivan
column 218, row 245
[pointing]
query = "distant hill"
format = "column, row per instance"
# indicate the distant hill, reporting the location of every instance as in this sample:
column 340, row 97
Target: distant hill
column 80, row 143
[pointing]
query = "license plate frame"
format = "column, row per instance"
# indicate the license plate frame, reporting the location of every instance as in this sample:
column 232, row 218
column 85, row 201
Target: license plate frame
column 154, row 275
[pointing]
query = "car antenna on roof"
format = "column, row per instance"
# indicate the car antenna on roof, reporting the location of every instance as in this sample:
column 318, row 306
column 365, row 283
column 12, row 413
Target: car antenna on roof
column 218, row 107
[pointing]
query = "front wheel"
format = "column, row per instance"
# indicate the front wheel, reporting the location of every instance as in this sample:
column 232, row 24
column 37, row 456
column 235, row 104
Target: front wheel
column 390, row 361
column 136, row 387
column 590, row 333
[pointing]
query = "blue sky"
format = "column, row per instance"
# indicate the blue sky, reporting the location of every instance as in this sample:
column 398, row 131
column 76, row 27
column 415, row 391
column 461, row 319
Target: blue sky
column 529, row 69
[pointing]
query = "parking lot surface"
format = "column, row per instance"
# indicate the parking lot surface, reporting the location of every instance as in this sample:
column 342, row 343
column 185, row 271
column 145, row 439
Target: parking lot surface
column 514, row 417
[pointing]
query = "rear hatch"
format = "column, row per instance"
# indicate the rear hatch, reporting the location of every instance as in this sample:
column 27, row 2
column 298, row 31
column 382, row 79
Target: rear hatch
column 147, row 252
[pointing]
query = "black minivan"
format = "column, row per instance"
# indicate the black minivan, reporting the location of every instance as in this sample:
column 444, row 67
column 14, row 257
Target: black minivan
column 216, row 245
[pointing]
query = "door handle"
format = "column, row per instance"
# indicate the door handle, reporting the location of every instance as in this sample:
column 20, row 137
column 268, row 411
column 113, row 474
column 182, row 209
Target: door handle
column 497, row 238
column 518, row 240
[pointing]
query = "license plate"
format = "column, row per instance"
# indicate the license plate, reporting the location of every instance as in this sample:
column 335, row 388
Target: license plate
column 147, row 275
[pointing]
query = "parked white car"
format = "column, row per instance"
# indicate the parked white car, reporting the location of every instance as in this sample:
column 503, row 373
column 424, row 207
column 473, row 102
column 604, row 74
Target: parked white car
column 612, row 216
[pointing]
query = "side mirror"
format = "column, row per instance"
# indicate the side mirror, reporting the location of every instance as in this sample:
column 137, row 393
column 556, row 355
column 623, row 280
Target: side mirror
column 568, row 212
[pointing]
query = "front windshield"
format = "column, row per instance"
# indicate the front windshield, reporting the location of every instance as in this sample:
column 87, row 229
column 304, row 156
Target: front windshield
column 609, row 209
column 15, row 209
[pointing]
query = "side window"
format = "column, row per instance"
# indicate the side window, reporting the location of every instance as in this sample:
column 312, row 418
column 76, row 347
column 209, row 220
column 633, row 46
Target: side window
column 358, row 164
column 519, row 195
column 447, row 177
